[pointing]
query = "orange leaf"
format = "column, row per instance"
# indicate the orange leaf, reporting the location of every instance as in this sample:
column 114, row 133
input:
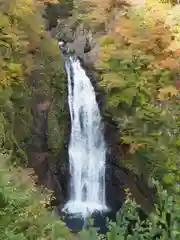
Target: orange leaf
column 169, row 63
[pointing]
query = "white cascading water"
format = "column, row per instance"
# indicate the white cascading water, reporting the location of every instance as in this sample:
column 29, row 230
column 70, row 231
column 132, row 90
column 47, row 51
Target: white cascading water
column 87, row 152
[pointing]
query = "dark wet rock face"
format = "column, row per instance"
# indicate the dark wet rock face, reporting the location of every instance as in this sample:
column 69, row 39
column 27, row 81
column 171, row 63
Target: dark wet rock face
column 48, row 169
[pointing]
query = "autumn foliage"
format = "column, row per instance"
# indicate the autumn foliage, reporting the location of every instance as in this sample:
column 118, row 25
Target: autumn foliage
column 138, row 65
column 139, row 58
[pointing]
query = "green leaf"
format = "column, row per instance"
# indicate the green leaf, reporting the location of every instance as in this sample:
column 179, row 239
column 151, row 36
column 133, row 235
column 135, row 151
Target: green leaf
column 127, row 95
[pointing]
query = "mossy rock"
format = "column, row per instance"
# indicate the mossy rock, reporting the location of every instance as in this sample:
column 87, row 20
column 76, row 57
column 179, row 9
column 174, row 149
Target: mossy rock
column 55, row 133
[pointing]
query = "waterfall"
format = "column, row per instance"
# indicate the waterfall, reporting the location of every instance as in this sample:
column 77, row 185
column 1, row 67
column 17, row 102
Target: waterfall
column 87, row 151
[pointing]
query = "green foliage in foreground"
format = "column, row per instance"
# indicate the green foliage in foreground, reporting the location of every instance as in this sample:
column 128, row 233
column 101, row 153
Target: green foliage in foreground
column 22, row 208
column 23, row 213
column 162, row 223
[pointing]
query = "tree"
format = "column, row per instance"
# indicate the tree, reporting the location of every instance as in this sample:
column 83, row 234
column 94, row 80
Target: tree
column 162, row 223
column 23, row 213
column 140, row 68
column 31, row 68
column 130, row 223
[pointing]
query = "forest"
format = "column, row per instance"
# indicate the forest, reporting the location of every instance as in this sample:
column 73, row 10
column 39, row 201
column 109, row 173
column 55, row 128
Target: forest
column 138, row 73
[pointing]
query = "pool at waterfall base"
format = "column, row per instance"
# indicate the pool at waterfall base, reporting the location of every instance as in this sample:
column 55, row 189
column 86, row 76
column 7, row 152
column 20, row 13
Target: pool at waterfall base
column 76, row 222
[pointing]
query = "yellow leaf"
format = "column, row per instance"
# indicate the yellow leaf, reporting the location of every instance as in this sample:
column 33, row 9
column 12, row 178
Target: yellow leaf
column 135, row 146
column 166, row 92
column 113, row 80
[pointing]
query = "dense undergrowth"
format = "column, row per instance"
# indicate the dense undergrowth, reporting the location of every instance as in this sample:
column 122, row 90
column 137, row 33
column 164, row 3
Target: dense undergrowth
column 139, row 63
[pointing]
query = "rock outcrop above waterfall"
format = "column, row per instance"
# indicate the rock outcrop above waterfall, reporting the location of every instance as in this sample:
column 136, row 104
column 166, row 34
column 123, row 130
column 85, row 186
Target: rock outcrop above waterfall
column 80, row 42
column 84, row 45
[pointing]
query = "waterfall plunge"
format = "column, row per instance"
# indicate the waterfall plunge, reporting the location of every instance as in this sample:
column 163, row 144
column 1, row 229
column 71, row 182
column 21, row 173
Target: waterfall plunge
column 87, row 151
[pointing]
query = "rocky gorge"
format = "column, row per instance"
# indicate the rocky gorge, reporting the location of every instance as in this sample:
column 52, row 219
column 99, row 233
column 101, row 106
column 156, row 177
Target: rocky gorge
column 89, row 119
column 52, row 172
